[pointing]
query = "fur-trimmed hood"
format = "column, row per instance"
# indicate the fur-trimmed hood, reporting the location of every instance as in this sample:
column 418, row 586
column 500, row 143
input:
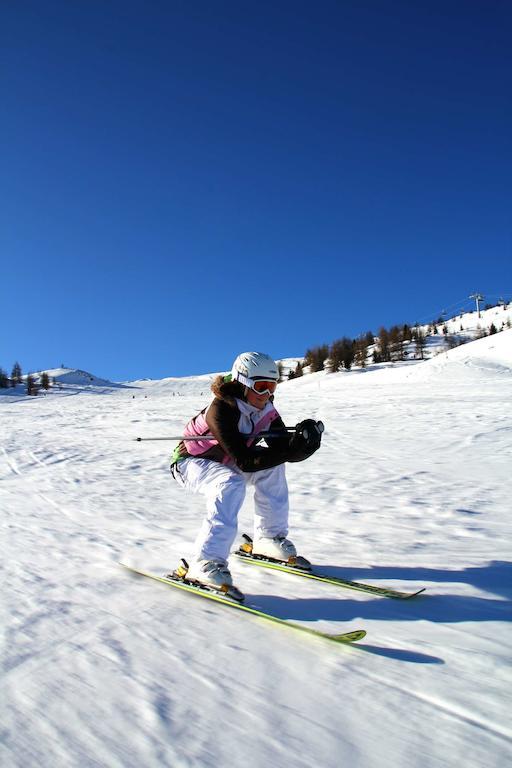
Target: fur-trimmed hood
column 227, row 390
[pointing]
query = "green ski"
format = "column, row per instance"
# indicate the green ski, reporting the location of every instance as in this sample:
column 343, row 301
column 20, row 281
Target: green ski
column 264, row 562
column 343, row 638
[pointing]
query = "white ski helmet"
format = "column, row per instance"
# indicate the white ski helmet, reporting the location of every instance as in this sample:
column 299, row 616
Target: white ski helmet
column 254, row 366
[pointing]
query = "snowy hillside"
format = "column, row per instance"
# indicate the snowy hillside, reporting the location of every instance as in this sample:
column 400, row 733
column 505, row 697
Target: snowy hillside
column 74, row 376
column 470, row 323
column 451, row 331
column 445, row 333
column 62, row 381
column 410, row 488
column 489, row 354
column 464, row 327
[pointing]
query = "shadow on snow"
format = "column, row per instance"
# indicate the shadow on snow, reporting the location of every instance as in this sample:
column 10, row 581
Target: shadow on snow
column 495, row 576
column 447, row 609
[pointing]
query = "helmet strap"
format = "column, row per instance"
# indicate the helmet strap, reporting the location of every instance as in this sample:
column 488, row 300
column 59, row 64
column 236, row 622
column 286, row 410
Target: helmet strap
column 243, row 380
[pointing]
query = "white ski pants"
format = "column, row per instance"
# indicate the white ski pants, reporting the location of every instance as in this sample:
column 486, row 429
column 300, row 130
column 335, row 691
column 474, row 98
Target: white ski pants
column 224, row 488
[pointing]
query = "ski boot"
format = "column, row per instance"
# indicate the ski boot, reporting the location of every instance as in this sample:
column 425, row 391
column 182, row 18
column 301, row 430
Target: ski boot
column 210, row 575
column 277, row 549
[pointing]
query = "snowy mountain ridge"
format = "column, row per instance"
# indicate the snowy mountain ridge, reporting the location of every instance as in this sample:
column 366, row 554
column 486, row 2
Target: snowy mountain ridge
column 74, row 376
column 460, row 329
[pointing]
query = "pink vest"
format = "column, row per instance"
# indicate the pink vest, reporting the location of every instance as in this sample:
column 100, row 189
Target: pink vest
column 198, row 426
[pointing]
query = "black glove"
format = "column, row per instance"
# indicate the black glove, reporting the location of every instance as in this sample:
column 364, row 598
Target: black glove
column 305, row 440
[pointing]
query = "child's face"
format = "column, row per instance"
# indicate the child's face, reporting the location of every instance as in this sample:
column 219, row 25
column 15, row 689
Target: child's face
column 256, row 400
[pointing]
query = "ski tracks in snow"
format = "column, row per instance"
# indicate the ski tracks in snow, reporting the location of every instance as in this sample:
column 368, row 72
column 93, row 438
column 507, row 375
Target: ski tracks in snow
column 450, row 709
column 11, row 462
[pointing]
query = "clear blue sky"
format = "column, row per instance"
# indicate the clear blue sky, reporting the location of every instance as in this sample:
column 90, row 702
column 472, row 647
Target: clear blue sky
column 182, row 181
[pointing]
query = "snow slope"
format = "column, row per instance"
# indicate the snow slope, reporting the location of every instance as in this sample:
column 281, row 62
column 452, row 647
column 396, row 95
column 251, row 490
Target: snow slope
column 411, row 488
column 63, row 381
column 490, row 354
column 75, row 376
column 469, row 323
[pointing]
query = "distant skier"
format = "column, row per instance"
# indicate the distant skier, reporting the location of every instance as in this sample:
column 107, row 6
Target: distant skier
column 221, row 466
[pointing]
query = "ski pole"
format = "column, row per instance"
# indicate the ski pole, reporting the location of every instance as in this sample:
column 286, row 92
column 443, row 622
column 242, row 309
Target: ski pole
column 211, row 437
column 276, row 433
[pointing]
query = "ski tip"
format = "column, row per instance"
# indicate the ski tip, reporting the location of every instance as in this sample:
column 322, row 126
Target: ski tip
column 349, row 637
column 415, row 594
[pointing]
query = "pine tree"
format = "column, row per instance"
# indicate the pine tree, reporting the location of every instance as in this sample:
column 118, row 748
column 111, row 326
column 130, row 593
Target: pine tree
column 4, row 381
column 308, row 359
column 45, row 380
column 335, row 356
column 396, row 343
column 348, row 353
column 420, row 343
column 315, row 357
column 406, row 333
column 16, row 375
column 341, row 354
column 492, row 329
column 384, row 347
column 31, row 385
column 361, row 351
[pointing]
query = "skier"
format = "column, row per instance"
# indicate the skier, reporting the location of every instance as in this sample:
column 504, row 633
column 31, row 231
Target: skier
column 228, row 459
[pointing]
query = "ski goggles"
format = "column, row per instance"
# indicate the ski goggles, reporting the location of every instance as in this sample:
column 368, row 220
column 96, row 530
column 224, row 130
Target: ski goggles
column 260, row 386
column 263, row 387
